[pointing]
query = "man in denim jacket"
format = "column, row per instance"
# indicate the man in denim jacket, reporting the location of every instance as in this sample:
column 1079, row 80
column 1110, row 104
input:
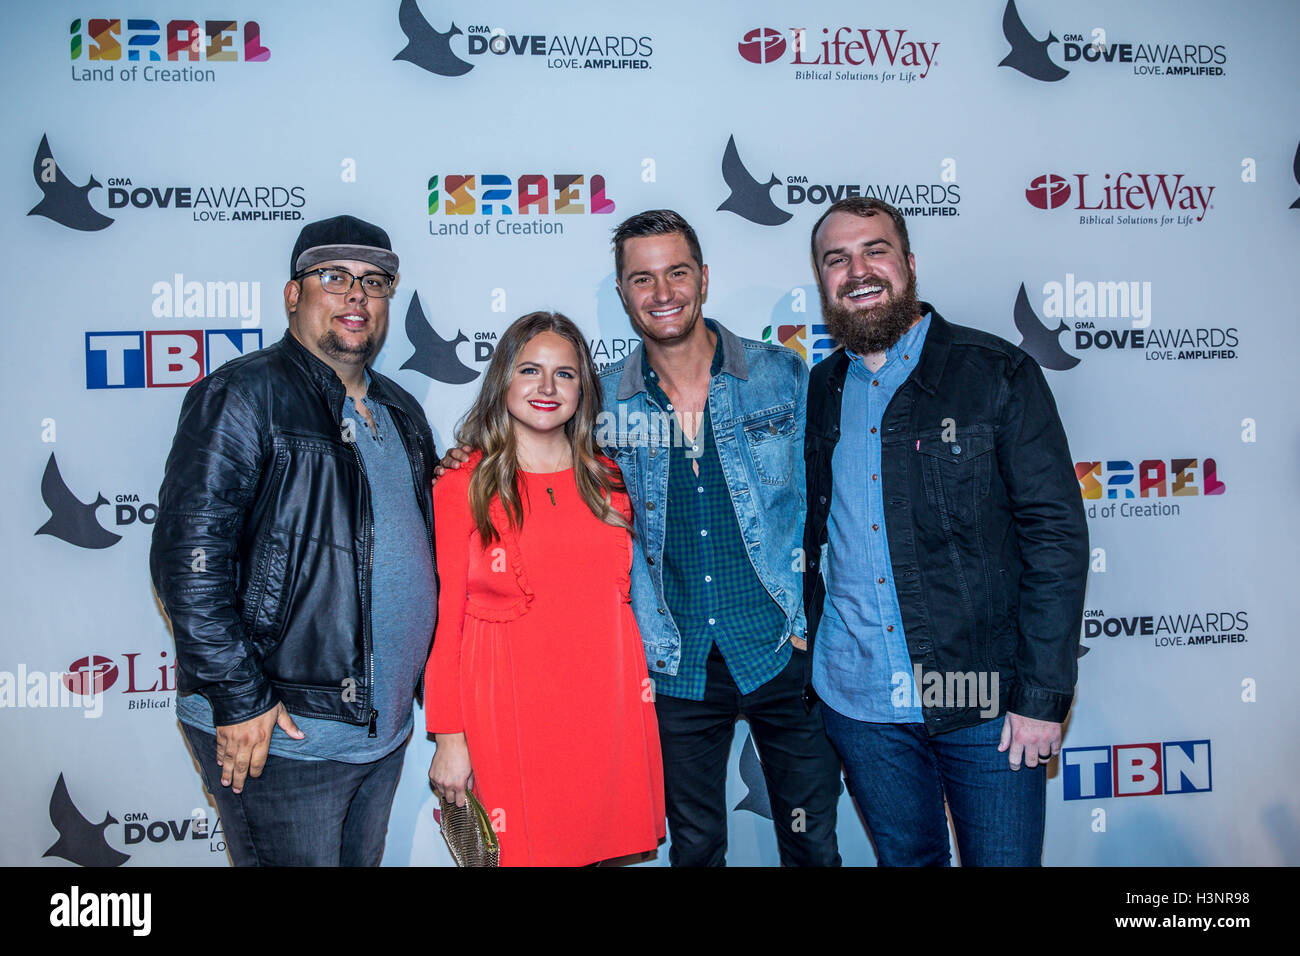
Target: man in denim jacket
column 946, row 612
column 708, row 431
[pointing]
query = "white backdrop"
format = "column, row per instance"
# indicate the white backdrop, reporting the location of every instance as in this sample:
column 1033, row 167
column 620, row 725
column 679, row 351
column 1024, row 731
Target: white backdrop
column 1137, row 180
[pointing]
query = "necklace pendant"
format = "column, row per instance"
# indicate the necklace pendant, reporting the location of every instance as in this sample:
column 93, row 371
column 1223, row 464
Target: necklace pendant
column 551, row 492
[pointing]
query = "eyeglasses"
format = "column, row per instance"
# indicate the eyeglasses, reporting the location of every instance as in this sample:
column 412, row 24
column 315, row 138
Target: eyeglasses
column 375, row 285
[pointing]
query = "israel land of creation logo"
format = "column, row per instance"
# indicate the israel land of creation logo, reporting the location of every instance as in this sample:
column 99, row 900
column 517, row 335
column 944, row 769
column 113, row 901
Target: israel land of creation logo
column 1168, row 629
column 454, row 52
column 811, row 342
column 1115, row 488
column 1123, row 198
column 753, row 198
column 1110, row 317
column 157, row 51
column 842, row 53
column 1108, row 50
column 530, row 204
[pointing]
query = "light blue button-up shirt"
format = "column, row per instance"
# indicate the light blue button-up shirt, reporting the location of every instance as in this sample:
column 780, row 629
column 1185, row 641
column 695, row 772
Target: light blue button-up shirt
column 861, row 666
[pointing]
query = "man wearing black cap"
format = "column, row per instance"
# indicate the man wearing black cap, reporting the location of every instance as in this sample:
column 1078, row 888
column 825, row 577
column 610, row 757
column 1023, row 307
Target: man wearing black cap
column 293, row 552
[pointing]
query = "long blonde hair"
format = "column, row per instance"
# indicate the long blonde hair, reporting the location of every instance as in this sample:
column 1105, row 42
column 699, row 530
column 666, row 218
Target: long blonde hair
column 487, row 426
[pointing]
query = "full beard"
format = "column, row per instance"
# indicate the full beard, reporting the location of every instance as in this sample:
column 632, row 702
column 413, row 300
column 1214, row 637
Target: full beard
column 865, row 331
column 336, row 348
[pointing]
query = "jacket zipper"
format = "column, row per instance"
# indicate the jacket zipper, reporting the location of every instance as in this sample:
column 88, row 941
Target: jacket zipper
column 368, row 637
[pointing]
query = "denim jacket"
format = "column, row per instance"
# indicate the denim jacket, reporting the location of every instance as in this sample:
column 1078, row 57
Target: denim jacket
column 757, row 404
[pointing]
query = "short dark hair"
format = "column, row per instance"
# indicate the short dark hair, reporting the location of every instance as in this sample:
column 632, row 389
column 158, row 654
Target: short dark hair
column 654, row 222
column 866, row 207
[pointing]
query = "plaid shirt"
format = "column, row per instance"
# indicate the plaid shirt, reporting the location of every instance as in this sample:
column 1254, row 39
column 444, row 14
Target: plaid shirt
column 715, row 596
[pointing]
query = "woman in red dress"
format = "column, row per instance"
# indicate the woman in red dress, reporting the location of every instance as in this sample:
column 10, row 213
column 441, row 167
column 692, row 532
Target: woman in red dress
column 537, row 689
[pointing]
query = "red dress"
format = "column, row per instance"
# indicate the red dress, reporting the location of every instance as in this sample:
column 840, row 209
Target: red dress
column 538, row 661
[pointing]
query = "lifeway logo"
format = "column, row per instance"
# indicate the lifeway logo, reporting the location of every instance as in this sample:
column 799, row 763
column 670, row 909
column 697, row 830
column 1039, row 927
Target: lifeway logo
column 1170, row 629
column 433, row 51
column 1091, row 306
column 870, row 54
column 751, row 198
column 1117, row 198
column 1136, row 770
column 77, row 523
column 1032, row 56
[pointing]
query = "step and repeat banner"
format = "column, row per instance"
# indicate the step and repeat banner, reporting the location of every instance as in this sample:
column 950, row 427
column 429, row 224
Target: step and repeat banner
column 1113, row 187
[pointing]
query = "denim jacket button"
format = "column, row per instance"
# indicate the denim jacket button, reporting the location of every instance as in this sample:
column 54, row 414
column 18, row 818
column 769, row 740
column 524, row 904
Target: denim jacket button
column 651, row 562
column 650, row 506
column 660, row 664
column 956, row 449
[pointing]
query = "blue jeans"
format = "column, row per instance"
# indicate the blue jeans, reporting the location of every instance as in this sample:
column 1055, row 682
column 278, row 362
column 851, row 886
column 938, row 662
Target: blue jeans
column 899, row 776
column 303, row 812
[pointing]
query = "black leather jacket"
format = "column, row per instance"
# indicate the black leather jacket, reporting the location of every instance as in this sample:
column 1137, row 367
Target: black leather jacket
column 264, row 541
column 985, row 525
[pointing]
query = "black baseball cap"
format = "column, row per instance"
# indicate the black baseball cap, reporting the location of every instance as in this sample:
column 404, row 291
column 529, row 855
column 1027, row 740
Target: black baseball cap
column 343, row 237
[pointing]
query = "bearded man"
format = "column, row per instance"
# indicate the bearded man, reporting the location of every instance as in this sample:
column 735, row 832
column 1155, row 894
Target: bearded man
column 948, row 553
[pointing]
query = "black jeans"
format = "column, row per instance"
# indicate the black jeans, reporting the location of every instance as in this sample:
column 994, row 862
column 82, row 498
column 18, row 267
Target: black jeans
column 800, row 766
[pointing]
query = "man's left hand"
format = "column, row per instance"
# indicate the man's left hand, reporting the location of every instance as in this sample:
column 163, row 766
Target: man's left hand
column 1036, row 741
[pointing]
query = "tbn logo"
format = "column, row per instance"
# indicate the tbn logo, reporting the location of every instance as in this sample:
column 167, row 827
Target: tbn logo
column 162, row 359
column 214, row 42
column 1136, row 770
column 1151, row 478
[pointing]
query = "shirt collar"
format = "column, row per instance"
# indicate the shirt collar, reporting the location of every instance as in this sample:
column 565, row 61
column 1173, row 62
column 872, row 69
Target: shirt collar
column 728, row 356
column 906, row 351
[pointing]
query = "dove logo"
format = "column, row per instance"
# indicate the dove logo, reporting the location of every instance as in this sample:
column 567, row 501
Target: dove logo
column 70, row 519
column 1295, row 171
column 63, row 201
column 1048, row 191
column 426, row 47
column 749, row 198
column 435, row 356
column 1136, row 770
column 80, row 841
column 762, row 45
column 1043, row 343
column 756, row 800
column 1028, row 53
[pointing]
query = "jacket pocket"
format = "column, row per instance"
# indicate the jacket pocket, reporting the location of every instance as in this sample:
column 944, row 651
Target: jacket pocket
column 956, row 473
column 771, row 447
column 267, row 607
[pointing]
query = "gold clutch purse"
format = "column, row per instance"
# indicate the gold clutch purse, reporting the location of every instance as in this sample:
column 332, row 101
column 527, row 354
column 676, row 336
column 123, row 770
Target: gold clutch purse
column 469, row 833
